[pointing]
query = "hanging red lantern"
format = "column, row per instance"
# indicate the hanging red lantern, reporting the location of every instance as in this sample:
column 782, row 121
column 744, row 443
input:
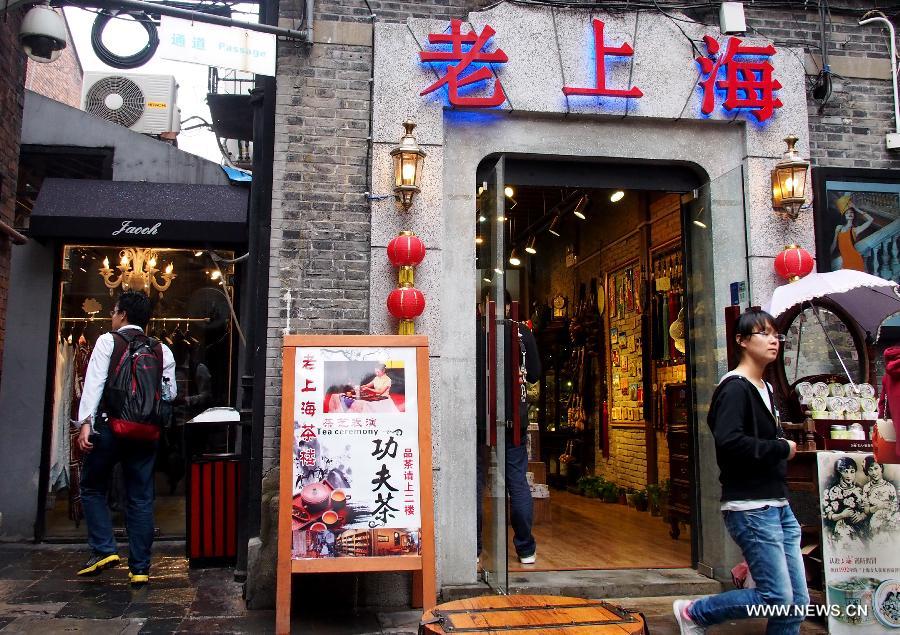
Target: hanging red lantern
column 793, row 263
column 406, row 251
column 406, row 304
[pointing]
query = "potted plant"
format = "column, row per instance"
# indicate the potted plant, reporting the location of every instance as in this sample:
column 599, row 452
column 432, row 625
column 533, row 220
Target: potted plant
column 610, row 493
column 640, row 500
column 664, row 500
column 592, row 486
column 653, row 495
column 584, row 484
column 623, row 496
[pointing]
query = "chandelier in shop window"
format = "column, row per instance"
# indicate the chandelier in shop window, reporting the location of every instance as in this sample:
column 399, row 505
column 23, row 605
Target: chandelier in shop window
column 138, row 272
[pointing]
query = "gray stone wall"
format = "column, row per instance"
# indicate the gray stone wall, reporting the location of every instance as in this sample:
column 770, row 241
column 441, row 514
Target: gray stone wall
column 849, row 130
column 390, row 11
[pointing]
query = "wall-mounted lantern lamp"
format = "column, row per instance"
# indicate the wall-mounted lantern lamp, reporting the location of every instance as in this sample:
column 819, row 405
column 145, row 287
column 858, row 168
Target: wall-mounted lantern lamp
column 409, row 160
column 789, row 181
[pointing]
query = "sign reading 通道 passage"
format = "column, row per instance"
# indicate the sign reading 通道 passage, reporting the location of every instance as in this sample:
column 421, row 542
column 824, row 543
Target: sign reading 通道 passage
column 356, row 486
column 355, row 461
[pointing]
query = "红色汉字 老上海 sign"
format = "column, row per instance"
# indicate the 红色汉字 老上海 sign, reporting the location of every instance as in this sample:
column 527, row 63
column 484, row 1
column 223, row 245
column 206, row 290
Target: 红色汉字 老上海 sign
column 740, row 75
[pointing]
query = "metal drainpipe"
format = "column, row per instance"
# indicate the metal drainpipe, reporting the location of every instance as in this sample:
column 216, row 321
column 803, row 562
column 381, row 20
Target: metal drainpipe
column 890, row 28
column 308, row 14
column 256, row 301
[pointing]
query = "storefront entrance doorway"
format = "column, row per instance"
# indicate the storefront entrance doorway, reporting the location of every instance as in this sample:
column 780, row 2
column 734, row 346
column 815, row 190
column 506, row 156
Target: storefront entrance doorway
column 607, row 280
column 192, row 295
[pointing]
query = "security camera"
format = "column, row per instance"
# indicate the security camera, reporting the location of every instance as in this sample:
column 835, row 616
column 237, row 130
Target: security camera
column 43, row 34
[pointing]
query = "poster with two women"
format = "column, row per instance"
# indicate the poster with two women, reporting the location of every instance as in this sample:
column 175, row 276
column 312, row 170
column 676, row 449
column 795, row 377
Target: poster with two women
column 860, row 542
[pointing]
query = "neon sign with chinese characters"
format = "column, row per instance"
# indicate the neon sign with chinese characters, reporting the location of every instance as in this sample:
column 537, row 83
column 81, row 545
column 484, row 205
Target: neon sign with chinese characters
column 740, row 76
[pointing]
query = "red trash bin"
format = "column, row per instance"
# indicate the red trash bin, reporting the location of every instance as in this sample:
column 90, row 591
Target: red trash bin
column 214, row 486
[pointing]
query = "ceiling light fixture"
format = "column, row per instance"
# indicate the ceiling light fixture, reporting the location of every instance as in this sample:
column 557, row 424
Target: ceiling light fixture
column 514, row 259
column 617, row 196
column 554, row 226
column 509, row 191
column 529, row 246
column 137, row 272
column 697, row 221
column 580, row 207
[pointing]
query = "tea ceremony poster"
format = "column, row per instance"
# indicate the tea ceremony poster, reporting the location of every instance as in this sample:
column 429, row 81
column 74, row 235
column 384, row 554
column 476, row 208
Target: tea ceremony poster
column 860, row 534
column 355, row 457
column 356, row 485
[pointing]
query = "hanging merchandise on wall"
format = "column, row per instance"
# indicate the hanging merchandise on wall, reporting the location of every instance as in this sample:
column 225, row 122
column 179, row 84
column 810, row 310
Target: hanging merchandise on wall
column 625, row 353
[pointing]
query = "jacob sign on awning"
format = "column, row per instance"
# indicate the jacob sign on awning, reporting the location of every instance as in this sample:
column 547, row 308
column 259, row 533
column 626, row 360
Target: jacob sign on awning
column 219, row 46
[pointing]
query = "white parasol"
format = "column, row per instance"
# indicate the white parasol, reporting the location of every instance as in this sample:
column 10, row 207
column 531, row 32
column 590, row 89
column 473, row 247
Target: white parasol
column 868, row 299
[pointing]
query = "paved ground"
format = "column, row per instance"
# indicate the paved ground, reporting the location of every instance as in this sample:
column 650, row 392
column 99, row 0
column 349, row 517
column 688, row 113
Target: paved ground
column 39, row 593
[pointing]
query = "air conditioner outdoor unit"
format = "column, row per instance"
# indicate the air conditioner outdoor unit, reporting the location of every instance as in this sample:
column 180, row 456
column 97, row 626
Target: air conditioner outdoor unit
column 143, row 103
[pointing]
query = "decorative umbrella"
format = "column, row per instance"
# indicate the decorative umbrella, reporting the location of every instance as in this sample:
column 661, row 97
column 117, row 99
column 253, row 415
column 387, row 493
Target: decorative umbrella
column 868, row 299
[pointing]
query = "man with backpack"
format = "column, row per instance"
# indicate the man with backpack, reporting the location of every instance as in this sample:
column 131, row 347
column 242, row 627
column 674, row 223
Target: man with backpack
column 127, row 377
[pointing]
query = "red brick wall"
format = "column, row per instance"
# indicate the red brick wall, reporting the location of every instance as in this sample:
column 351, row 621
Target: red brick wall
column 12, row 76
column 60, row 80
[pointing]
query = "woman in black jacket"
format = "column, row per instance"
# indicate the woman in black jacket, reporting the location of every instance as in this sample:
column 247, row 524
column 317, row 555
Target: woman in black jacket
column 752, row 456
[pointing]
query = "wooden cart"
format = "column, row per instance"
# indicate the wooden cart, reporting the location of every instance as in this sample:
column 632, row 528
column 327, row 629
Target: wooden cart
column 524, row 614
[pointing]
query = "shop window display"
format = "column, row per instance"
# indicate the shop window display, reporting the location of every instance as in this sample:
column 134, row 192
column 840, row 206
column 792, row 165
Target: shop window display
column 192, row 316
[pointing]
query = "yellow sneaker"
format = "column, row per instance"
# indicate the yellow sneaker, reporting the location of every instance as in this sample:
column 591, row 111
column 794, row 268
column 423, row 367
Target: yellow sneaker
column 97, row 563
column 138, row 579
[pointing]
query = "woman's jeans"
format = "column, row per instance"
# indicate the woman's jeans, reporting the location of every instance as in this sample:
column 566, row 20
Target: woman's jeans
column 137, row 459
column 769, row 538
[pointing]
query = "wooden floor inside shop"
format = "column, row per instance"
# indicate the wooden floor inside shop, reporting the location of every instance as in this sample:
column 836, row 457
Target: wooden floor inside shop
column 585, row 533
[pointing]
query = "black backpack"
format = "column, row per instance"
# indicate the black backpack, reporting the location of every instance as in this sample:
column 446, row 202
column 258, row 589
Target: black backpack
column 132, row 394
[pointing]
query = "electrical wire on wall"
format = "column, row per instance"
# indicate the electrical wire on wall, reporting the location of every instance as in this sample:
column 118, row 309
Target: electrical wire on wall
column 370, row 149
column 124, row 61
column 821, row 91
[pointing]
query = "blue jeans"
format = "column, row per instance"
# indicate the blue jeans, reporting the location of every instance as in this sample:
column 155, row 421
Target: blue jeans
column 137, row 460
column 769, row 538
column 521, row 507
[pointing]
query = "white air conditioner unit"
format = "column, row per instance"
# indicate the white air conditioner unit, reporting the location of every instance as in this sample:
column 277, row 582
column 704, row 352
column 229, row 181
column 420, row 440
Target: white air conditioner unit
column 143, row 103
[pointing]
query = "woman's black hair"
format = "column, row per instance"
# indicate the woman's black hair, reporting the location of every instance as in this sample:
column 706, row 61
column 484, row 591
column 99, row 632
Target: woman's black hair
column 752, row 321
column 869, row 462
column 843, row 463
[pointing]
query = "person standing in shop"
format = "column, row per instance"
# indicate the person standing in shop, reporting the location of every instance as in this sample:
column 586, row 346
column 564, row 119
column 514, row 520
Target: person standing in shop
column 752, row 456
column 102, row 450
column 521, row 505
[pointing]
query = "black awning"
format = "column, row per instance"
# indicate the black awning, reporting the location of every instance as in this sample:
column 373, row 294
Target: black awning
column 129, row 211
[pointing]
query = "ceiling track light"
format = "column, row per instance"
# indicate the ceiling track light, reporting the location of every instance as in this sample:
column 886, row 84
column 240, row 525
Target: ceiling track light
column 581, row 206
column 514, row 259
column 554, row 226
column 530, row 245
column 697, row 221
